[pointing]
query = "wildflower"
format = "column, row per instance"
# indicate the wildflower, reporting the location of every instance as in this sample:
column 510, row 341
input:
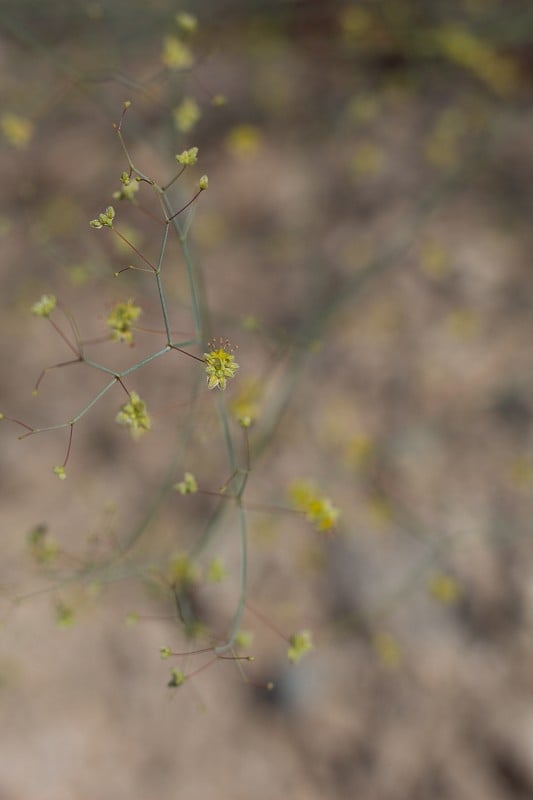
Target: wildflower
column 121, row 320
column 186, row 115
column 128, row 189
column 203, row 183
column 216, row 571
column 60, row 472
column 43, row 547
column 188, row 157
column 181, row 571
column 187, row 22
column 104, row 220
column 188, row 485
column 165, row 652
column 300, row 643
column 17, row 130
column 44, row 306
column 319, row 510
column 177, row 678
column 220, row 364
column 176, row 54
column 134, row 415
column 64, row 615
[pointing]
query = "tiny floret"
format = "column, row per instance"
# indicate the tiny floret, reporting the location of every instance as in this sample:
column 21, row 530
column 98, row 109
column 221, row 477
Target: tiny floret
column 318, row 510
column 165, row 652
column 177, row 678
column 60, row 472
column 187, row 22
column 104, row 220
column 188, row 485
column 134, row 416
column 121, row 321
column 128, row 188
column 300, row 643
column 203, row 183
column 44, row 306
column 220, row 364
column 188, row 158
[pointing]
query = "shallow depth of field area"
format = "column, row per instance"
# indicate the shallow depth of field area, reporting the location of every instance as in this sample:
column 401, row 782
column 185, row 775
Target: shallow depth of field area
column 361, row 247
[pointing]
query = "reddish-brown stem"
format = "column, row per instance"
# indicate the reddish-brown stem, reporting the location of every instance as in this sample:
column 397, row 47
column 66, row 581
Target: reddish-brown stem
column 69, row 445
column 18, row 422
column 185, row 353
column 174, row 179
column 135, row 250
column 55, row 366
column 267, row 622
column 62, row 335
column 199, row 192
column 122, row 384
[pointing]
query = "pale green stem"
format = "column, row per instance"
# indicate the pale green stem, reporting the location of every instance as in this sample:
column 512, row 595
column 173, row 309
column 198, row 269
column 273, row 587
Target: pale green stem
column 143, row 362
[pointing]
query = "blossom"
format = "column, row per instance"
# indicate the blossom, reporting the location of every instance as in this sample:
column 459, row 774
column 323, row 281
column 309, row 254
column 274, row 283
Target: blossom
column 134, row 415
column 300, row 643
column 188, row 157
column 318, row 509
column 121, row 320
column 104, row 220
column 188, row 485
column 220, row 364
column 44, row 306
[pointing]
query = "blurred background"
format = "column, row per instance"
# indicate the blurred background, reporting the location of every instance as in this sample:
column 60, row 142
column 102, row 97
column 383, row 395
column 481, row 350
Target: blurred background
column 366, row 242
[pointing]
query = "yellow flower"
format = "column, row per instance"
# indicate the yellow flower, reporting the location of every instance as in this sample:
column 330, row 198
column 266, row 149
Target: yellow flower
column 44, row 306
column 104, row 220
column 186, row 115
column 121, row 320
column 318, row 510
column 188, row 157
column 220, row 365
column 300, row 643
column 17, row 130
column 176, row 54
column 134, row 415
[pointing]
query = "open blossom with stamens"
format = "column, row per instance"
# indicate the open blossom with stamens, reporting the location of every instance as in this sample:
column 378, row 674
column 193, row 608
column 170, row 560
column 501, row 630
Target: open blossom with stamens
column 220, row 364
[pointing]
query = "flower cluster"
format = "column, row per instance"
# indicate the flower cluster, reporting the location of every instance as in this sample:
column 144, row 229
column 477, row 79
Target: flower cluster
column 188, row 485
column 105, row 219
column 44, row 306
column 128, row 189
column 300, row 643
column 319, row 510
column 188, row 158
column 134, row 415
column 121, row 320
column 220, row 364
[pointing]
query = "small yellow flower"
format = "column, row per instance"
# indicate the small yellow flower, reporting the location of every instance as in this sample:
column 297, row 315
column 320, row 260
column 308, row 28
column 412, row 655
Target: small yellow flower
column 188, row 157
column 121, row 320
column 44, row 306
column 220, row 364
column 60, row 472
column 188, row 485
column 318, row 510
column 128, row 189
column 176, row 54
column 177, row 678
column 104, row 220
column 187, row 22
column 300, row 643
column 203, row 183
column 134, row 415
column 17, row 130
column 186, row 115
